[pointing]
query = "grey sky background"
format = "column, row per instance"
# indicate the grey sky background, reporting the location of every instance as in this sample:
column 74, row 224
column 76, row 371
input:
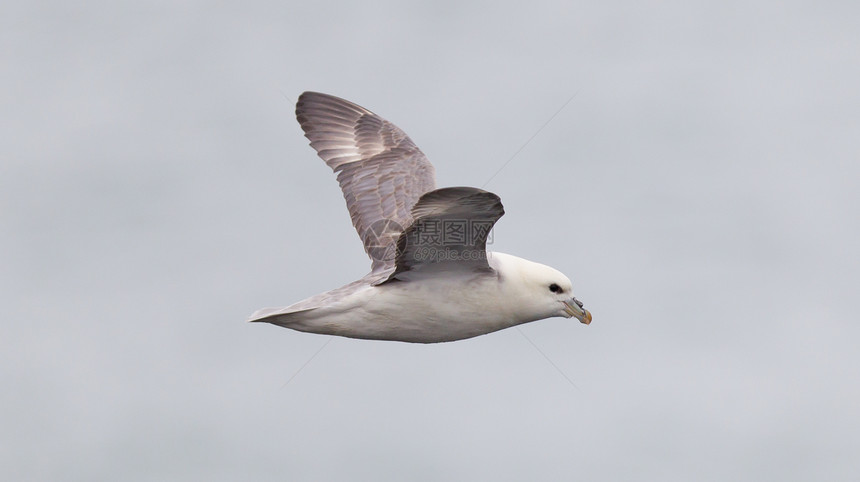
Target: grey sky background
column 700, row 190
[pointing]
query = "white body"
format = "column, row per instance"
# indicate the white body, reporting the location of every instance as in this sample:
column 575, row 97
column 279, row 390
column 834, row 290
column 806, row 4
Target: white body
column 438, row 309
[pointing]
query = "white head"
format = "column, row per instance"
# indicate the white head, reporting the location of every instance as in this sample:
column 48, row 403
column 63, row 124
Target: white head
column 537, row 291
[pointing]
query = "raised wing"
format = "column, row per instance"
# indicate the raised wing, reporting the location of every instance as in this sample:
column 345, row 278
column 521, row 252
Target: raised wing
column 448, row 233
column 381, row 172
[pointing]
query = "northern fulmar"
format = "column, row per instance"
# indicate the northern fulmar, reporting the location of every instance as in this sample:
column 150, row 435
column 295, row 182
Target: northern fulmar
column 432, row 279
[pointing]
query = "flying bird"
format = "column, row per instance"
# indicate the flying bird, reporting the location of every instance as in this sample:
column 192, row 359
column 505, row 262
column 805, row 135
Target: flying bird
column 432, row 279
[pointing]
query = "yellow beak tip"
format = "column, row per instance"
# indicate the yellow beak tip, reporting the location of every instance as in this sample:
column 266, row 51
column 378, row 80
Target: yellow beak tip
column 587, row 319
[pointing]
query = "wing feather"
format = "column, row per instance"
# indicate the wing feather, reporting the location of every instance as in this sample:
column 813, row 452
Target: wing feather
column 448, row 233
column 381, row 172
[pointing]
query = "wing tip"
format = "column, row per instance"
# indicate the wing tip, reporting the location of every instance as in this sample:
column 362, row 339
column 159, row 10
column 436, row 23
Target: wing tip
column 458, row 195
column 309, row 100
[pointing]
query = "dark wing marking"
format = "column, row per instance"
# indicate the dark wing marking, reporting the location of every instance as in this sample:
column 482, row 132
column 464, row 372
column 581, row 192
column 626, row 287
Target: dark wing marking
column 448, row 232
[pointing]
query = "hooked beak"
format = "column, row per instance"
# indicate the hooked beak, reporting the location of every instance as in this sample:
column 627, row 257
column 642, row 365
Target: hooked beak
column 573, row 308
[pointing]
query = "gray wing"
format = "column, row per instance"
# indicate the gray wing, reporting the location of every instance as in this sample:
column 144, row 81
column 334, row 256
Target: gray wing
column 448, row 233
column 381, row 172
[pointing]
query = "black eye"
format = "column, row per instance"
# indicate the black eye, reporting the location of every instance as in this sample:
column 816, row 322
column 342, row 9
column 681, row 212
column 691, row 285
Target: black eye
column 555, row 288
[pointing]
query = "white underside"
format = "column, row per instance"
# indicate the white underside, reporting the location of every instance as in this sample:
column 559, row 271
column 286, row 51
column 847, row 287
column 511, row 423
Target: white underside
column 425, row 311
